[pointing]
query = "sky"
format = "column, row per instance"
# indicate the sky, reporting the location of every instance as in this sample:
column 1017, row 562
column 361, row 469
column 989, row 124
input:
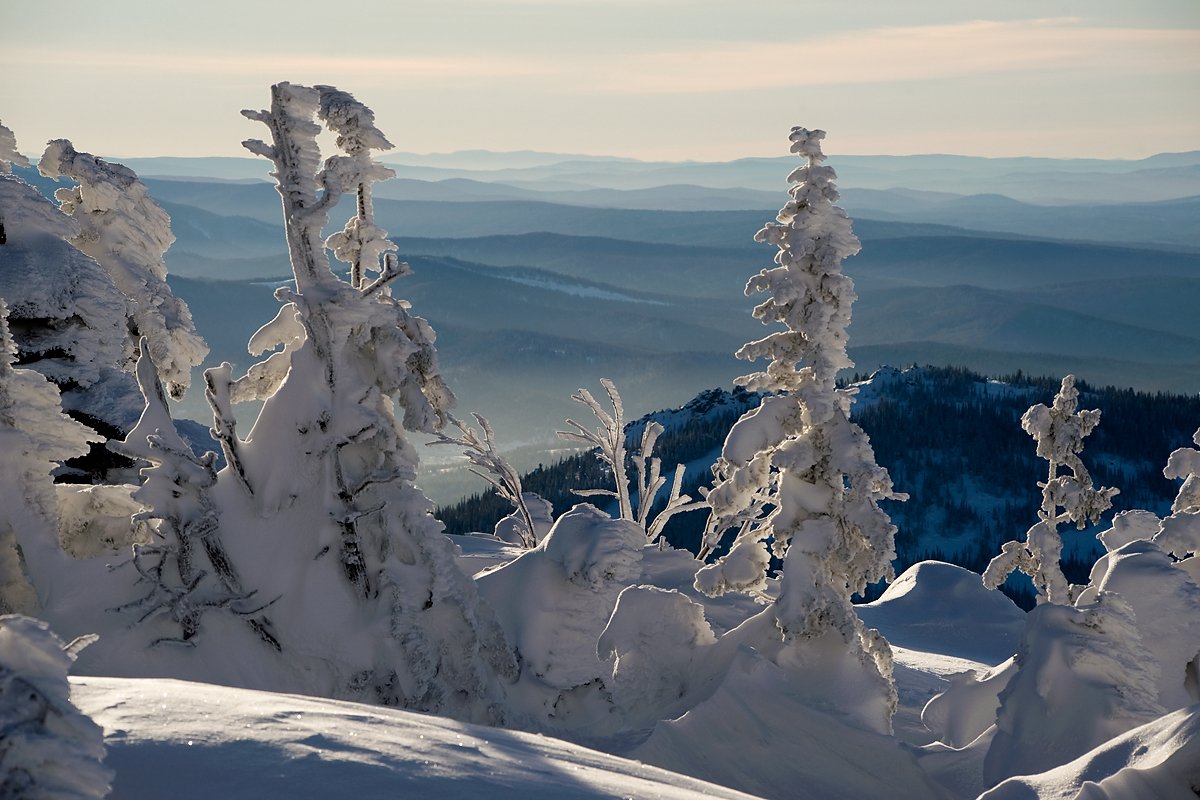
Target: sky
column 652, row 79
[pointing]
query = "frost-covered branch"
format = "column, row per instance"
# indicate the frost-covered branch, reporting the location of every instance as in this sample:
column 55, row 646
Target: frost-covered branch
column 499, row 471
column 609, row 439
column 677, row 503
column 177, row 491
column 218, row 392
column 1059, row 432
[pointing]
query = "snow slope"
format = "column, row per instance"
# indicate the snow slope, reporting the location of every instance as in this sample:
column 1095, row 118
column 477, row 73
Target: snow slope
column 183, row 740
column 1157, row 761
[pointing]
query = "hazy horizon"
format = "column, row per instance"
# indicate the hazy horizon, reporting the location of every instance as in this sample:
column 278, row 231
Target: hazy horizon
column 702, row 80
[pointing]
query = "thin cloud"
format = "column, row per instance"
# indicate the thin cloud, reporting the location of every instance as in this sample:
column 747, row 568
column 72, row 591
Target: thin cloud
column 889, row 55
column 391, row 68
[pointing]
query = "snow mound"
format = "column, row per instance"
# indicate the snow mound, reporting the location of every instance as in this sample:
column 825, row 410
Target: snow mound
column 1083, row 676
column 1158, row 761
column 765, row 730
column 194, row 741
column 554, row 601
column 943, row 608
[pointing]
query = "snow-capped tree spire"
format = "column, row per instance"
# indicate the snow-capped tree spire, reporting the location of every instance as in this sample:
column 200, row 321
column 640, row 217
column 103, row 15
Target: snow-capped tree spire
column 796, row 471
column 1059, row 432
column 361, row 243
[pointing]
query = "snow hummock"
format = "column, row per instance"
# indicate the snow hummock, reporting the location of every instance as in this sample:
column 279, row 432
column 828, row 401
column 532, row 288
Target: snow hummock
column 195, row 741
column 1157, row 761
column 940, row 607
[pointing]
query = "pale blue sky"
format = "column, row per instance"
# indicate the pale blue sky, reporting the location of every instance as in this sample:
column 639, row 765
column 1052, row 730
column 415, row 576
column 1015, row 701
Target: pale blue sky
column 662, row 79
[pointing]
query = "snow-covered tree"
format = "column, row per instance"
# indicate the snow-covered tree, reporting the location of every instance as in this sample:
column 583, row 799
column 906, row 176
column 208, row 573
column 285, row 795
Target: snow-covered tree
column 1059, row 432
column 796, row 472
column 327, row 463
column 35, row 438
column 48, row 748
column 608, row 439
column 127, row 233
column 1179, row 533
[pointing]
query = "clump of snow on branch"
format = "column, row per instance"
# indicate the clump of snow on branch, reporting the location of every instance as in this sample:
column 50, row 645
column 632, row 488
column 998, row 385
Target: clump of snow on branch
column 9, row 155
column 796, row 471
column 1059, row 432
column 48, row 748
column 127, row 233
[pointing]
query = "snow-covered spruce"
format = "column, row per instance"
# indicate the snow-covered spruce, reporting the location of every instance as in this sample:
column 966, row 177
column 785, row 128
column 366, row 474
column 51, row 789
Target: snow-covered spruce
column 1059, row 432
column 35, row 437
column 127, row 233
column 329, row 525
column 796, row 470
column 49, row 750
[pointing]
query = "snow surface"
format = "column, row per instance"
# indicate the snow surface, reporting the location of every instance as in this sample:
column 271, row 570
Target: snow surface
column 169, row 738
column 1157, row 761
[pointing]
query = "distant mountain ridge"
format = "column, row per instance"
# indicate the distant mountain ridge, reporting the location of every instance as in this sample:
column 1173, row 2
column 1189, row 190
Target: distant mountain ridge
column 1030, row 179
